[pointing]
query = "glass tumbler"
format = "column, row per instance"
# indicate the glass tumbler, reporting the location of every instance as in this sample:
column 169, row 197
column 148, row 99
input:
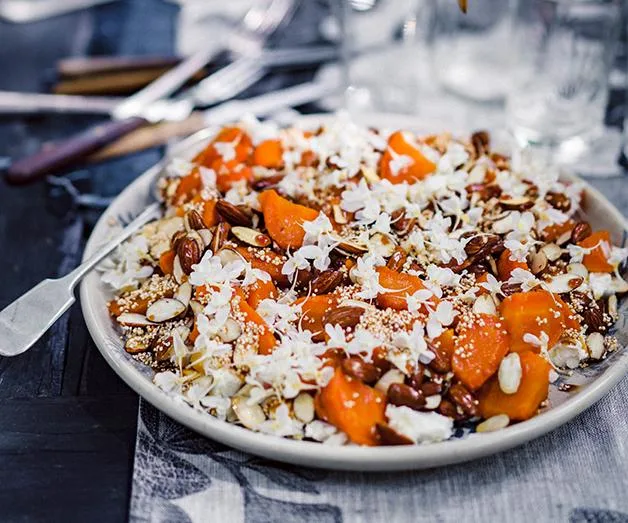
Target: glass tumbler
column 564, row 51
column 471, row 53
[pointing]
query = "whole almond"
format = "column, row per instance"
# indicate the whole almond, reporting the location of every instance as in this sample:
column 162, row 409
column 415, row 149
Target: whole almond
column 221, row 232
column 346, row 317
column 189, row 254
column 326, row 281
column 416, row 380
column 431, row 388
column 234, row 214
column 441, row 363
column 267, row 182
column 462, row 397
column 397, row 260
column 389, row 436
column 447, row 408
column 581, row 231
column 481, row 142
column 193, row 220
column 403, row 395
column 176, row 238
column 558, row 201
column 361, row 370
column 401, row 223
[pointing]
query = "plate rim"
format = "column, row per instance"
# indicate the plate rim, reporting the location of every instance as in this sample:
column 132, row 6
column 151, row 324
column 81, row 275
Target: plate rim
column 353, row 458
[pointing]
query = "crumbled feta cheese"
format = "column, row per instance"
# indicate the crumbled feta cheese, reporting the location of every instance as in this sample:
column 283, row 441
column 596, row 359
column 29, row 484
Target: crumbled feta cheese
column 420, row 427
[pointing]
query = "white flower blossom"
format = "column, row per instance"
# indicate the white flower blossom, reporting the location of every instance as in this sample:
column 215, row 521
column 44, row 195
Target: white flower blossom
column 314, row 229
column 527, row 280
column 440, row 318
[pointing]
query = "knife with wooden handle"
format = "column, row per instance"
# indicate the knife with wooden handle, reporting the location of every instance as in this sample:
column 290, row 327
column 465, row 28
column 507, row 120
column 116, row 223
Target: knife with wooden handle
column 126, row 117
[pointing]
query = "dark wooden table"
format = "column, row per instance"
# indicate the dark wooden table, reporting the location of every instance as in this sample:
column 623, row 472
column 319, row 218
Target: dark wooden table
column 67, row 422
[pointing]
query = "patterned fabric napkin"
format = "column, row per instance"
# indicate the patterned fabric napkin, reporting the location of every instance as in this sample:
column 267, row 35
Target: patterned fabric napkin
column 576, row 474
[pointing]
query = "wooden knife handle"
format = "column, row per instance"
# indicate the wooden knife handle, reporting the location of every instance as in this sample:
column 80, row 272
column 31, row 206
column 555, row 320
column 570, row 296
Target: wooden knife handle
column 69, row 152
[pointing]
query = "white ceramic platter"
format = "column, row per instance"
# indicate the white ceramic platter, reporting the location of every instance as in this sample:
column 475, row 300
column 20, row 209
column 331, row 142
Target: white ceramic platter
column 591, row 384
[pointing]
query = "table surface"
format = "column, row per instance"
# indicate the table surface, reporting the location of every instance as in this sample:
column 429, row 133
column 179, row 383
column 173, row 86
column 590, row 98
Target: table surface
column 68, row 422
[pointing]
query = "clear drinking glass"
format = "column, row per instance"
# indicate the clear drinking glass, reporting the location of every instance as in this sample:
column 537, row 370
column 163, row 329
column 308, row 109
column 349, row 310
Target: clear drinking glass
column 564, row 51
column 471, row 53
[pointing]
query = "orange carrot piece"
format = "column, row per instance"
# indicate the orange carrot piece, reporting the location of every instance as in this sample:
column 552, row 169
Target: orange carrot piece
column 166, row 261
column 313, row 308
column 284, row 219
column 524, row 403
column 552, row 232
column 210, row 214
column 402, row 285
column 241, row 142
column 352, row 406
column 267, row 341
column 481, row 345
column 596, row 260
column 268, row 153
column 533, row 312
column 189, row 186
column 272, row 264
column 229, row 173
column 261, row 290
column 419, row 167
column 505, row 265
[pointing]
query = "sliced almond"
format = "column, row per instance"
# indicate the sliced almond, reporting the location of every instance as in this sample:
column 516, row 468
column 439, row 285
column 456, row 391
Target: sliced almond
column 230, row 331
column 304, row 407
column 196, row 306
column 503, row 225
column 538, row 262
column 193, row 221
column 228, row 255
column 383, row 244
column 563, row 283
column 612, row 307
column 485, row 305
column 563, row 238
column 164, row 309
column 350, row 247
column 132, row 319
column 432, row 402
column 619, row 285
column 136, row 344
column 519, row 203
column 595, row 344
column 206, row 235
column 251, row 416
column 390, row 377
column 498, row 422
column 184, row 293
column 251, row 236
column 578, row 269
column 221, row 232
column 177, row 270
column 509, row 374
column 552, row 251
column 339, row 215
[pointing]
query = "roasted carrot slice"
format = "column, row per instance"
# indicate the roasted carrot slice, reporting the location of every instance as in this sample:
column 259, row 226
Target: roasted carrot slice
column 481, row 344
column 596, row 260
column 284, row 219
column 268, row 153
column 268, row 261
column 403, row 149
column 352, row 406
column 524, row 403
column 267, row 341
column 261, row 290
column 189, row 185
column 230, row 137
column 553, row 232
column 313, row 308
column 533, row 312
column 230, row 173
column 166, row 261
column 505, row 265
column 210, row 214
column 400, row 285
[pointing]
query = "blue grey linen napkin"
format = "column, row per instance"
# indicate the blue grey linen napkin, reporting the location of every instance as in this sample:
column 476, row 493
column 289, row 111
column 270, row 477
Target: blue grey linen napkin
column 576, row 474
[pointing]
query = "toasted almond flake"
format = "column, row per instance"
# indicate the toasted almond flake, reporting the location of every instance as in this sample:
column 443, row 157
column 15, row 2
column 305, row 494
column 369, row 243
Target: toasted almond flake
column 230, row 331
column 370, row 175
column 392, row 376
column 432, row 402
column 177, row 271
column 538, row 263
column 196, row 306
column 206, row 235
column 578, row 269
column 304, row 407
column 552, row 251
column 339, row 215
column 612, row 307
column 184, row 293
column 485, row 305
column 251, row 416
column 562, row 283
column 228, row 255
column 509, row 374
column 595, row 344
column 498, row 422
column 383, row 244
column 133, row 320
column 250, row 236
column 164, row 309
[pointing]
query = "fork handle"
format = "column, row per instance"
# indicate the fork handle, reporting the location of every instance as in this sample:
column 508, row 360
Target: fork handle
column 71, row 151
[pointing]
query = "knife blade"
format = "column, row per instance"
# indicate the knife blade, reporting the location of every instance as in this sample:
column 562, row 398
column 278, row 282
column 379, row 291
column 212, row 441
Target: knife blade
column 126, row 117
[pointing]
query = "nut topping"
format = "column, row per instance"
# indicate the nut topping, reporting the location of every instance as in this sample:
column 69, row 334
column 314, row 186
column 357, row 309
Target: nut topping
column 233, row 214
column 581, row 231
column 346, row 317
column 360, row 369
column 250, row 236
column 326, row 281
column 189, row 253
column 193, row 221
column 405, row 396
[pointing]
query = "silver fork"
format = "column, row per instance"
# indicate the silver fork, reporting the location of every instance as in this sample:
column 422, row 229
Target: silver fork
column 26, row 320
